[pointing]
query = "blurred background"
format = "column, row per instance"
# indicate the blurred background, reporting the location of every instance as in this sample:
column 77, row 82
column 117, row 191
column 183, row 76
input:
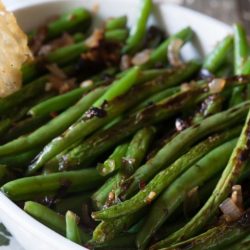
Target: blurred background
column 226, row 10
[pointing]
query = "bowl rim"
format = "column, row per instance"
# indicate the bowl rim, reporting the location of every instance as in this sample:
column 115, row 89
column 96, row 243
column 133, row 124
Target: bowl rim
column 9, row 207
column 34, row 226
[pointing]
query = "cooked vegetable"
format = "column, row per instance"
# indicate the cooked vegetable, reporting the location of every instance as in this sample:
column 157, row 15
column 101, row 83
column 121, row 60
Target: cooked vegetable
column 72, row 230
column 216, row 59
column 139, row 30
column 233, row 170
column 241, row 49
column 43, row 185
column 56, row 126
column 116, row 142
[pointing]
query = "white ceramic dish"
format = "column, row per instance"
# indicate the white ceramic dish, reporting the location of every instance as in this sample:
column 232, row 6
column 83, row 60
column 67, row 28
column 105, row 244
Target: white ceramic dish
column 31, row 234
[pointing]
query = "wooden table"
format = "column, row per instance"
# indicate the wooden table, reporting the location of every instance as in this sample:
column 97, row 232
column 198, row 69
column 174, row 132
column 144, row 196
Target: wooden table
column 225, row 10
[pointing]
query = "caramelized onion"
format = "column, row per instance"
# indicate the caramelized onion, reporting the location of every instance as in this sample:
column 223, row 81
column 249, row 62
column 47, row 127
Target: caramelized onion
column 141, row 57
column 216, row 85
column 237, row 196
column 56, row 71
column 230, row 210
column 174, row 52
column 94, row 40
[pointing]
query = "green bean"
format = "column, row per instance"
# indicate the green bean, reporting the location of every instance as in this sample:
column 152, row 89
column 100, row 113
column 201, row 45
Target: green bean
column 72, row 229
column 99, row 198
column 109, row 72
column 19, row 160
column 108, row 230
column 137, row 150
column 241, row 49
column 56, row 126
column 139, row 30
column 151, row 74
column 116, row 107
column 120, row 86
column 218, row 56
column 117, row 35
column 68, row 54
column 159, row 54
column 125, row 241
column 61, row 56
column 73, row 203
column 24, row 127
column 216, row 238
column 41, row 185
column 4, row 126
column 5, row 174
column 18, row 113
column 170, row 227
column 225, row 71
column 165, row 177
column 29, row 72
column 125, row 128
column 241, row 245
column 116, row 23
column 230, row 176
column 172, row 198
column 246, row 71
column 184, row 140
column 114, row 162
column 29, row 91
column 182, row 214
column 64, row 101
column 46, row 216
column 158, row 97
column 212, row 105
column 77, row 20
column 50, row 218
column 204, row 193
column 86, row 151
column 246, row 67
column 58, row 103
column 78, row 37
column 112, row 123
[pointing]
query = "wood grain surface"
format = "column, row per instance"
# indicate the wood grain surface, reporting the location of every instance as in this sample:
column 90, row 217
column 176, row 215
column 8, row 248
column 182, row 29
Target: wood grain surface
column 224, row 10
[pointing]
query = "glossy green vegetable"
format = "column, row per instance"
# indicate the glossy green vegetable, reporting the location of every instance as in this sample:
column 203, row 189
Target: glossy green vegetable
column 116, row 23
column 77, row 20
column 230, row 176
column 182, row 142
column 241, row 51
column 58, row 103
column 50, row 218
column 104, row 140
column 86, row 126
column 72, row 229
column 173, row 197
column 41, row 185
column 219, row 55
column 161, row 180
column 139, row 30
column 114, row 162
column 117, row 35
column 56, row 126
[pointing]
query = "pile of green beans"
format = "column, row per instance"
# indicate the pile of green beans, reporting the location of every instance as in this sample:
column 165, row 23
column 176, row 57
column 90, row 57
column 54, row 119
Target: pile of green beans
column 128, row 154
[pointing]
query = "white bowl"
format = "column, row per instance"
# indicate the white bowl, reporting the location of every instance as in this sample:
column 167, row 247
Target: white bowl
column 31, row 234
